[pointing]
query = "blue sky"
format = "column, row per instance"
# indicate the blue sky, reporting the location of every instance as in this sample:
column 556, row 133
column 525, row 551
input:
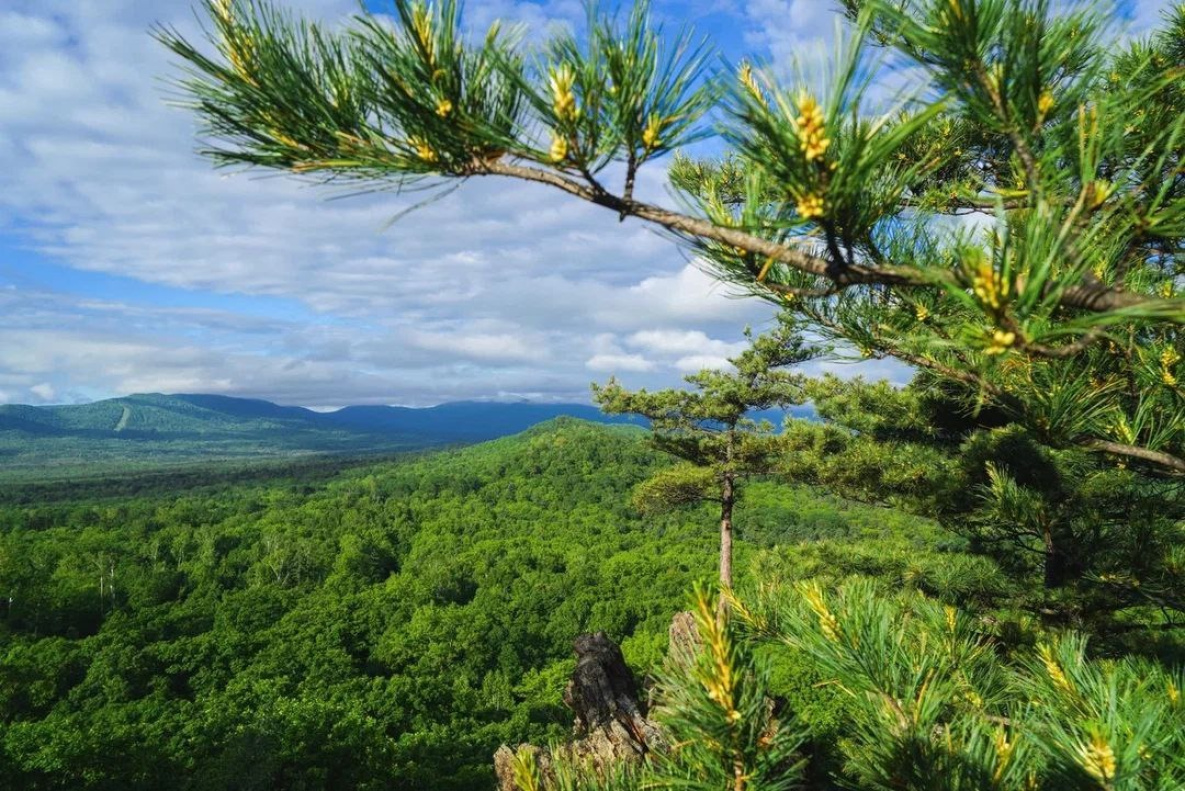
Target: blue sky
column 128, row 265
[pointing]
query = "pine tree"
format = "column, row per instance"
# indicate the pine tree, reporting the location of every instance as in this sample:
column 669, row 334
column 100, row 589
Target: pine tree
column 710, row 430
column 1094, row 544
column 1055, row 317
column 1065, row 312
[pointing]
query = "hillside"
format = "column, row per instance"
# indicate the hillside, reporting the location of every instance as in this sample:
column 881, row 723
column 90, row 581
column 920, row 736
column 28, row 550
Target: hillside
column 143, row 432
column 387, row 627
column 151, row 431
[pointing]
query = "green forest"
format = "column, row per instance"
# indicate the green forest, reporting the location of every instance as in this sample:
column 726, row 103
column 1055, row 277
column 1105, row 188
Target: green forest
column 386, row 627
column 975, row 580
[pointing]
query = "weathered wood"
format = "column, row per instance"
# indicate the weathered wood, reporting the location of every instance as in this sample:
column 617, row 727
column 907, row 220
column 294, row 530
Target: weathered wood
column 611, row 725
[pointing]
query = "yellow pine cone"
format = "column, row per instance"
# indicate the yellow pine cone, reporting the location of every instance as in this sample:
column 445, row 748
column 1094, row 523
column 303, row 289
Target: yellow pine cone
column 650, row 134
column 559, row 148
column 1056, row 674
column 810, row 126
column 423, row 150
column 1097, row 758
column 989, row 286
column 810, row 206
column 1001, row 341
column 1045, row 104
column 563, row 98
column 1168, row 358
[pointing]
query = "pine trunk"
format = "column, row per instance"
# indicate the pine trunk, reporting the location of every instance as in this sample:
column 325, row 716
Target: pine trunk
column 727, row 497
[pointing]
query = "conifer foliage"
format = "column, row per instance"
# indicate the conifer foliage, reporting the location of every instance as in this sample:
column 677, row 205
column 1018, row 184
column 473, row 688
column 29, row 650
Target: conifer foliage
column 1065, row 310
column 931, row 699
column 1014, row 229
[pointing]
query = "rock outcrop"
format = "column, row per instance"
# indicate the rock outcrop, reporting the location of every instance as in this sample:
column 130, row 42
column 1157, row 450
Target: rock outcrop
column 611, row 723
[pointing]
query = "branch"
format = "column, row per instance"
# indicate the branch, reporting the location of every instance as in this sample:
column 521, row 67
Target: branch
column 1069, row 350
column 1164, row 460
column 1159, row 458
column 1091, row 297
column 966, row 377
column 1167, row 461
column 682, row 223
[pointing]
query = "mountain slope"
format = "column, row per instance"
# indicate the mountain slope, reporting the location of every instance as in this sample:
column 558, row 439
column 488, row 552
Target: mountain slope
column 150, row 430
column 465, row 420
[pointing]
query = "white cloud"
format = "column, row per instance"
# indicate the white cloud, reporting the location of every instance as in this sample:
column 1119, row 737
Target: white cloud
column 892, row 370
column 698, row 362
column 614, row 363
column 44, row 391
column 1148, row 14
column 262, row 287
column 494, row 347
column 796, row 34
column 684, row 342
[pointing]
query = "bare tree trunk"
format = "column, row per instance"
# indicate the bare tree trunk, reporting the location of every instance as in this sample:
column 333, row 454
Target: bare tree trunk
column 727, row 497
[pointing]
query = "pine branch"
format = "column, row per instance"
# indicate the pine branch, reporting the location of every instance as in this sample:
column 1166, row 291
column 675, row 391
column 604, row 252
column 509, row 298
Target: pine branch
column 1092, row 297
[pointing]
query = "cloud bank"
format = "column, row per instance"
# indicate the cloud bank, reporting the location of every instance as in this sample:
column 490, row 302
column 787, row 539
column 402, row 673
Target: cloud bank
column 127, row 264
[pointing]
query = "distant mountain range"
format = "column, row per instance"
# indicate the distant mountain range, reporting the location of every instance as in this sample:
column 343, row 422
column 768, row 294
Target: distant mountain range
column 146, row 431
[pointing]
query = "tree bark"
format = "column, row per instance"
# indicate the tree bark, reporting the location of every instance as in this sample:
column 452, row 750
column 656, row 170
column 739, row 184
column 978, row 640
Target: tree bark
column 611, row 729
column 1055, row 569
column 727, row 497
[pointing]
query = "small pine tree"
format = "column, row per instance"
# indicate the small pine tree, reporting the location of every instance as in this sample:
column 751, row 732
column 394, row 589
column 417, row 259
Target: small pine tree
column 708, row 428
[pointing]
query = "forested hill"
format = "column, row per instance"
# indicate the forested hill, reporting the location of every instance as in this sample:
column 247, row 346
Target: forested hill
column 148, row 431
column 385, row 628
column 142, row 432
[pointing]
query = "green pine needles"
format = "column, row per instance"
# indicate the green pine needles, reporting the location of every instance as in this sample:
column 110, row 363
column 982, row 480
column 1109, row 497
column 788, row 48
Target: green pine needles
column 936, row 702
column 930, row 700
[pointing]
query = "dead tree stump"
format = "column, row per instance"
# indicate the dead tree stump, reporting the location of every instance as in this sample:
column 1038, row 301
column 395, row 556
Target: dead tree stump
column 611, row 724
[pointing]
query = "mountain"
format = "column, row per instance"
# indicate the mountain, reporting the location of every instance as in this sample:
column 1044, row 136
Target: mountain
column 150, row 430
column 471, row 421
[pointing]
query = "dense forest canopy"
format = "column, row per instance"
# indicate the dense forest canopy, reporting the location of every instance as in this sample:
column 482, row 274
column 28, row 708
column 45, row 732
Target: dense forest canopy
column 386, row 628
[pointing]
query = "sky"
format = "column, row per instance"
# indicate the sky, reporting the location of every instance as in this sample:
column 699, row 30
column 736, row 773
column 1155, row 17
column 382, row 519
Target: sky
column 128, row 265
